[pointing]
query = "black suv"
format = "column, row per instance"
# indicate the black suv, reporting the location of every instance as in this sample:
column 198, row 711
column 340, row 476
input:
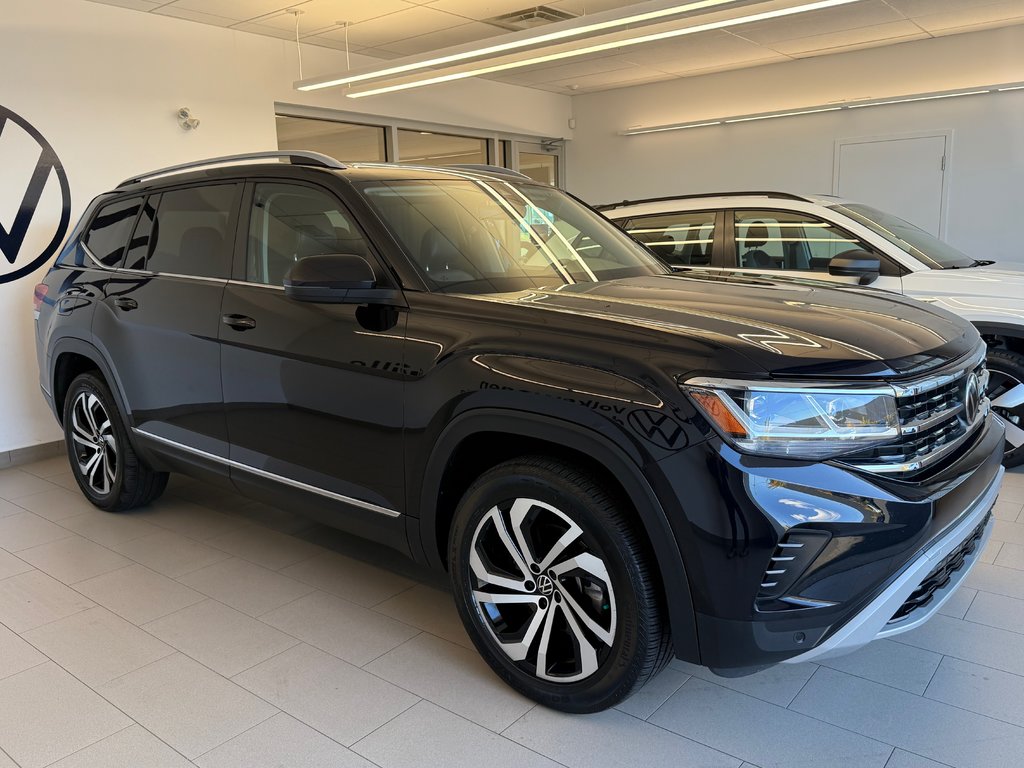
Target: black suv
column 615, row 464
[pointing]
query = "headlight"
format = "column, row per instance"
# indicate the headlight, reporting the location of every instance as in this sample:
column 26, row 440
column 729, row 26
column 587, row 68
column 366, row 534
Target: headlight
column 798, row 422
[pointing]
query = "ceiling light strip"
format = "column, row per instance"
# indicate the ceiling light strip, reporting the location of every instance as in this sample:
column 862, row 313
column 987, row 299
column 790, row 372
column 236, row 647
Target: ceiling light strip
column 623, row 43
column 512, row 45
column 640, row 130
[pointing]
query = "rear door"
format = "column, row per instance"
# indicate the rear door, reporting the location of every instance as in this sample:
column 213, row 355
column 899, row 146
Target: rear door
column 685, row 239
column 160, row 315
column 796, row 244
column 313, row 392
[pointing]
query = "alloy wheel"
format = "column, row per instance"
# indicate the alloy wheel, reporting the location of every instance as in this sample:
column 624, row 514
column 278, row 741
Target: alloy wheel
column 1006, row 394
column 542, row 590
column 95, row 445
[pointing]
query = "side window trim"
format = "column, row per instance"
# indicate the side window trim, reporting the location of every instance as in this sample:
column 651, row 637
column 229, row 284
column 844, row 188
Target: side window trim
column 239, row 275
column 716, row 222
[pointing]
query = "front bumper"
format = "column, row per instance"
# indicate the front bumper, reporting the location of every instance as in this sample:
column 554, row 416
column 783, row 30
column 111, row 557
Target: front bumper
column 876, row 619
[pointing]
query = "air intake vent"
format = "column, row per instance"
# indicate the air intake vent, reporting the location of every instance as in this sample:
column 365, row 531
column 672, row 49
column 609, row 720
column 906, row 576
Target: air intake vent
column 797, row 550
column 530, row 18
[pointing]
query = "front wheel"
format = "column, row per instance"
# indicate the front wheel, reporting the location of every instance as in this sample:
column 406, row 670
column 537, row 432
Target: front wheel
column 556, row 587
column 1006, row 392
column 106, row 467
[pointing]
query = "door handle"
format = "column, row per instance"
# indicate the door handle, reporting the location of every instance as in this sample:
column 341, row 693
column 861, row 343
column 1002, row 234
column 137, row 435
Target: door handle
column 238, row 322
column 125, row 303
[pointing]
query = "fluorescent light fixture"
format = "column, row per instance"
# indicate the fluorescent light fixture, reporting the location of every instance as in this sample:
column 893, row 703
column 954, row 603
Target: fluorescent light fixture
column 550, row 37
column 597, row 48
column 917, row 98
column 636, row 130
column 782, row 114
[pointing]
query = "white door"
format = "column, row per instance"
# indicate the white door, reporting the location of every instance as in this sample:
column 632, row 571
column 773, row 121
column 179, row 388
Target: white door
column 903, row 176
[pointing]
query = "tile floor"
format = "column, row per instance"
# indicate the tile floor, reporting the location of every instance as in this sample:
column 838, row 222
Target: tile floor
column 213, row 631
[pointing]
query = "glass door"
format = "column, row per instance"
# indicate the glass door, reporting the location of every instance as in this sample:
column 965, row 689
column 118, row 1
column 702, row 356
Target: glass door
column 541, row 162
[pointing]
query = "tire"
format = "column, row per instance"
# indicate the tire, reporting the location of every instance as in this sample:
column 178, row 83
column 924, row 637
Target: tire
column 1006, row 372
column 106, row 467
column 598, row 576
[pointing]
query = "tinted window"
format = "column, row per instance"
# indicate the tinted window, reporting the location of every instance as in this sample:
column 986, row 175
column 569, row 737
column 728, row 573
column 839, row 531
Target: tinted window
column 677, row 238
column 190, row 234
column 490, row 236
column 109, row 231
column 290, row 222
column 789, row 240
column 138, row 248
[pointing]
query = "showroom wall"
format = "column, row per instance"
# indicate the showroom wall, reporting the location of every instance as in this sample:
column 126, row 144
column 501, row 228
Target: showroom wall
column 102, row 85
column 985, row 166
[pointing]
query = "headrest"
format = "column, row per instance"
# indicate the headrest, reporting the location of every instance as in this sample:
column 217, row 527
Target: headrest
column 756, row 235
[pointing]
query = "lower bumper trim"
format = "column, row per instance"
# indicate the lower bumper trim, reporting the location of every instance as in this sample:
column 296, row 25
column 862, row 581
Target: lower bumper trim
column 873, row 621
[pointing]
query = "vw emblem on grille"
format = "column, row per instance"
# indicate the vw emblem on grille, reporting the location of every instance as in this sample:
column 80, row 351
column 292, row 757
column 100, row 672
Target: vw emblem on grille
column 972, row 398
column 545, row 585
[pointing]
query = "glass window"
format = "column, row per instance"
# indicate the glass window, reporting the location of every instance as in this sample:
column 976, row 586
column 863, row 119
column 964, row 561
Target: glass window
column 678, row 239
column 489, row 237
column 539, row 167
column 344, row 141
column 138, row 248
column 426, row 148
column 292, row 221
column 789, row 240
column 109, row 231
column 903, row 234
column 190, row 234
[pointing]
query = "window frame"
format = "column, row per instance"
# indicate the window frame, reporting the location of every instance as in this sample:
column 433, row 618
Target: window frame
column 889, row 268
column 718, row 257
column 381, row 267
column 100, row 207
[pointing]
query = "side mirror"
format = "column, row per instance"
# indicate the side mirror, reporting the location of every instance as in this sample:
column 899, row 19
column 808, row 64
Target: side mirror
column 856, row 263
column 337, row 278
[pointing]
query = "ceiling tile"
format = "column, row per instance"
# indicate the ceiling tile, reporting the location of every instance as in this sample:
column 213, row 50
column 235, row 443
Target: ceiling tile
column 136, row 5
column 880, row 34
column 482, row 9
column 577, row 69
column 239, row 10
column 913, row 8
column 994, row 14
column 844, row 17
column 583, row 7
column 319, row 15
column 262, row 29
column 403, row 24
column 185, row 13
column 464, row 33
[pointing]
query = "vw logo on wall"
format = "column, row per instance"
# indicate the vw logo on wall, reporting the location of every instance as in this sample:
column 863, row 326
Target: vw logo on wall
column 35, row 198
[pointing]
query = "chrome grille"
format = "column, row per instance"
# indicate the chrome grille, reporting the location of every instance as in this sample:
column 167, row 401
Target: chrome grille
column 933, row 422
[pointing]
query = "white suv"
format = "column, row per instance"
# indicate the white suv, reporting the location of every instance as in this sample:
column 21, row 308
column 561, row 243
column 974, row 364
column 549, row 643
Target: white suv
column 820, row 237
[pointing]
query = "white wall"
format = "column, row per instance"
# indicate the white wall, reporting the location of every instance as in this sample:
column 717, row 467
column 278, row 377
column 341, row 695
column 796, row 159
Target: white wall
column 985, row 169
column 103, row 84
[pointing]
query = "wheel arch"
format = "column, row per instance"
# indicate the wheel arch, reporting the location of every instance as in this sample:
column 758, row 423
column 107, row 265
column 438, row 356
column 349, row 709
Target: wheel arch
column 72, row 356
column 444, row 482
column 1010, row 337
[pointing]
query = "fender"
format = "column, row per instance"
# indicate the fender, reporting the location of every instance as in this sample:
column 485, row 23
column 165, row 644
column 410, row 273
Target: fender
column 649, row 509
column 78, row 346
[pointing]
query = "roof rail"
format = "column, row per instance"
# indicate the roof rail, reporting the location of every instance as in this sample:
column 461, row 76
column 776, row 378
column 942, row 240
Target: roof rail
column 296, row 157
column 496, row 169
column 669, row 198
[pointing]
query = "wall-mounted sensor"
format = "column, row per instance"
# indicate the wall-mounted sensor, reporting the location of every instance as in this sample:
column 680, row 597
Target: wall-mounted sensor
column 186, row 121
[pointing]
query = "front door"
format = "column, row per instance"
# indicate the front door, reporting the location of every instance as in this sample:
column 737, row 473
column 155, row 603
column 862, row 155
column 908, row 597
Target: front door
column 796, row 244
column 313, row 392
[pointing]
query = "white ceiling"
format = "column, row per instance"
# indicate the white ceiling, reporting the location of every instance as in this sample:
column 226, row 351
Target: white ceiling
column 389, row 29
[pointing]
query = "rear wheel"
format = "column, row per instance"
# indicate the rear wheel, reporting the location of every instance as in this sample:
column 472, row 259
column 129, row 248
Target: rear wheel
column 555, row 586
column 106, row 467
column 1006, row 393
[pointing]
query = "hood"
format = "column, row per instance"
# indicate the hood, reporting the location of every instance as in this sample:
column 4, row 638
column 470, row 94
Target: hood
column 786, row 328
column 996, row 287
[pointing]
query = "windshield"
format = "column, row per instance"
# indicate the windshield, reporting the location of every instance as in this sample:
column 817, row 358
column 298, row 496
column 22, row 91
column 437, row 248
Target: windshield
column 929, row 249
column 476, row 236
